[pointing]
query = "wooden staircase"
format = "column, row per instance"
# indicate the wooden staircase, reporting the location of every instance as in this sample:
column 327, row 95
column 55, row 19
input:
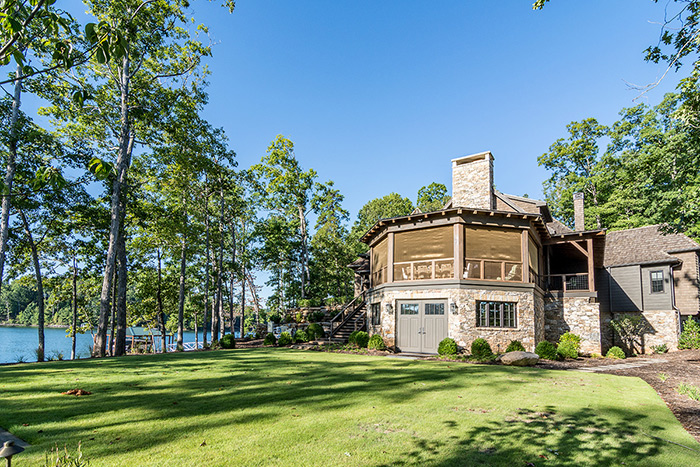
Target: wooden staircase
column 352, row 317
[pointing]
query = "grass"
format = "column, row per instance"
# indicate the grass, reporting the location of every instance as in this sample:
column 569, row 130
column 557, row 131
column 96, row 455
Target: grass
column 289, row 407
column 689, row 390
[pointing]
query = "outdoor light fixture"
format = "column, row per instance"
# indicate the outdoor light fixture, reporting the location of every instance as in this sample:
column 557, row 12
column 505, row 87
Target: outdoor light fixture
column 8, row 450
column 453, row 308
column 389, row 308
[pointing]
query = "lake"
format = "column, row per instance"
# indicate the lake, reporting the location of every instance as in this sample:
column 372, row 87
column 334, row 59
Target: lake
column 19, row 343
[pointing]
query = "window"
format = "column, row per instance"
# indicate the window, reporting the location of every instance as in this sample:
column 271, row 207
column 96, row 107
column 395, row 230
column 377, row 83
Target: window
column 657, row 281
column 434, row 308
column 409, row 308
column 376, row 313
column 492, row 253
column 496, row 314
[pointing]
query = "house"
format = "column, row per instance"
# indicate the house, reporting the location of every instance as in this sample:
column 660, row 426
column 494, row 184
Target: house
column 499, row 267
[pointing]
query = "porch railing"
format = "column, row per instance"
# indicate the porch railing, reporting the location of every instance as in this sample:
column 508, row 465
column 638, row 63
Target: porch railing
column 420, row 270
column 347, row 312
column 567, row 282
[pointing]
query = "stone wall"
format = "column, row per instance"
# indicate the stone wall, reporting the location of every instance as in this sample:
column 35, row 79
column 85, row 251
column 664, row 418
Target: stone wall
column 579, row 315
column 661, row 328
column 472, row 182
column 462, row 323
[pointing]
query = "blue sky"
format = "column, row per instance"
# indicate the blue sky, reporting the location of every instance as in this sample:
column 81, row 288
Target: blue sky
column 378, row 96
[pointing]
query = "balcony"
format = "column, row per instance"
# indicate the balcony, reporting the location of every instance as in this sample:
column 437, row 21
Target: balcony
column 567, row 282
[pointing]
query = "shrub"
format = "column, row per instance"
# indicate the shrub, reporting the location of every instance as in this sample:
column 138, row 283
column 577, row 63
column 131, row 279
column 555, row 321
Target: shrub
column 690, row 337
column 567, row 349
column 359, row 338
column 661, row 348
column 615, row 352
column 447, row 346
column 315, row 331
column 689, row 390
column 316, row 316
column 376, row 343
column 299, row 318
column 546, row 350
column 301, row 336
column 569, row 338
column 481, row 350
column 275, row 318
column 285, row 339
column 257, row 335
column 288, row 318
column 228, row 342
column 215, row 345
column 304, row 303
column 270, row 339
column 515, row 346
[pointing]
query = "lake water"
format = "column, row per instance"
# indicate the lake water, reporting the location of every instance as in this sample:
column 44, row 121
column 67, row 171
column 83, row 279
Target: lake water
column 19, row 343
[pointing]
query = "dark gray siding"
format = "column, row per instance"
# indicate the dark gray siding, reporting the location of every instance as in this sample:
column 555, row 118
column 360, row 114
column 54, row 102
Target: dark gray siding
column 658, row 300
column 602, row 281
column 625, row 289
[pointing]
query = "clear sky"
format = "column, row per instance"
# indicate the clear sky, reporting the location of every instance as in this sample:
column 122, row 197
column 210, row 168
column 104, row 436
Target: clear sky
column 380, row 95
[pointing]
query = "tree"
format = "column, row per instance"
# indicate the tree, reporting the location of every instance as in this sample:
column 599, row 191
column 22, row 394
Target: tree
column 391, row 205
column 432, row 197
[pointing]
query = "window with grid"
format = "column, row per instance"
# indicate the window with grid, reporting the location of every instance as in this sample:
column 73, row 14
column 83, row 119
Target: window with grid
column 496, row 314
column 434, row 308
column 657, row 281
column 376, row 313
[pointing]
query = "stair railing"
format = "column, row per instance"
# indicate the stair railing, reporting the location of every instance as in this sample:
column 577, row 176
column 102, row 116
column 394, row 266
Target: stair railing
column 347, row 312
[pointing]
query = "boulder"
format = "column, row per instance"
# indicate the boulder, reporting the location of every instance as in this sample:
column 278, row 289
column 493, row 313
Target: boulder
column 519, row 358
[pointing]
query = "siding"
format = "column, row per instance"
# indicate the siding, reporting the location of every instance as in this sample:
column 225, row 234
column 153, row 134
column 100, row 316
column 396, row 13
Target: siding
column 625, row 289
column 687, row 284
column 659, row 300
column 602, row 282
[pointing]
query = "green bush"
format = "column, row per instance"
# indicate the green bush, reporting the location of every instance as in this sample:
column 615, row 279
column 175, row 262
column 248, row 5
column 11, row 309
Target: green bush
column 215, row 345
column 228, row 342
column 270, row 339
column 299, row 317
column 376, row 343
column 301, row 336
column 571, row 339
column 275, row 318
column 315, row 331
column 447, row 346
column 690, row 337
column 567, row 349
column 316, row 316
column 285, row 339
column 257, row 335
column 615, row 352
column 481, row 350
column 304, row 303
column 546, row 350
column 359, row 338
column 288, row 319
column 661, row 348
column 515, row 346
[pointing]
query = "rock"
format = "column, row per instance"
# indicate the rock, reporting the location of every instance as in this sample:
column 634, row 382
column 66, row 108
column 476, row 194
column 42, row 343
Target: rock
column 519, row 358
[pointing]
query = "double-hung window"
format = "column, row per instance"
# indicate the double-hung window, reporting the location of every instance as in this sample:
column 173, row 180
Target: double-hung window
column 657, row 281
column 496, row 314
column 376, row 313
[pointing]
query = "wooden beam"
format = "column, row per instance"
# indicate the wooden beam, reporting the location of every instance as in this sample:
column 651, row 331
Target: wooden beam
column 526, row 257
column 390, row 258
column 580, row 248
column 591, row 268
column 458, row 235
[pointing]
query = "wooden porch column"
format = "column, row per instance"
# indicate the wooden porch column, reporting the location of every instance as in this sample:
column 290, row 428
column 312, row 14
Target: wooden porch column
column 525, row 255
column 458, row 237
column 390, row 257
column 591, row 269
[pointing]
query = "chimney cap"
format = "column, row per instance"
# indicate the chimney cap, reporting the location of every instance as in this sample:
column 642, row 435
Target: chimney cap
column 578, row 195
column 473, row 157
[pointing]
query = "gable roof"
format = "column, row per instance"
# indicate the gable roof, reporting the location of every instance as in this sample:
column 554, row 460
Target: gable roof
column 645, row 245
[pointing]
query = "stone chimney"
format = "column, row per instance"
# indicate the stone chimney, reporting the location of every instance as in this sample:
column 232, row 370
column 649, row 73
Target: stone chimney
column 579, row 219
column 472, row 181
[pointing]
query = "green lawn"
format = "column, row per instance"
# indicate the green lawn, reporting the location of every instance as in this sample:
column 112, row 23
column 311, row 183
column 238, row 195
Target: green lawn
column 287, row 407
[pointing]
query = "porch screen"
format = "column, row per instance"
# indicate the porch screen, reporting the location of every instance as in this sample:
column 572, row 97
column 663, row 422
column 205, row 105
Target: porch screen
column 492, row 243
column 424, row 244
column 379, row 262
column 534, row 254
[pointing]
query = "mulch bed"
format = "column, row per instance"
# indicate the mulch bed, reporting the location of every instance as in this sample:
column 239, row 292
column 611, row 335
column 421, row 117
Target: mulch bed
column 682, row 366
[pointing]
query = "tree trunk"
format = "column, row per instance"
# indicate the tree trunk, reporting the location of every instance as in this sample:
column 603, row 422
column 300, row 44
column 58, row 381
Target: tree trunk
column 161, row 314
column 75, row 308
column 126, row 139
column 205, row 322
column 219, row 276
column 243, row 283
column 233, row 265
column 113, row 308
column 9, row 174
column 305, row 274
column 183, row 270
column 122, row 278
column 39, row 285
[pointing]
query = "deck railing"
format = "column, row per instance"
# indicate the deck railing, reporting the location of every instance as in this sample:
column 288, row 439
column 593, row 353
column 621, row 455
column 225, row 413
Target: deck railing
column 567, row 282
column 421, row 270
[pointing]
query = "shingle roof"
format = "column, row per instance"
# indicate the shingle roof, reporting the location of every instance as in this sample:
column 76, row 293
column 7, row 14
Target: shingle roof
column 556, row 228
column 644, row 245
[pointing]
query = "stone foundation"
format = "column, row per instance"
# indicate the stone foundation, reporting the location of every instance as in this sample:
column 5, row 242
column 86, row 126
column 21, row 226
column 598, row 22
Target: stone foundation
column 661, row 328
column 579, row 315
column 462, row 322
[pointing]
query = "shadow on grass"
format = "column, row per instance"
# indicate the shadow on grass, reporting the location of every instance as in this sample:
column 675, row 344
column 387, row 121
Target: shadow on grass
column 533, row 438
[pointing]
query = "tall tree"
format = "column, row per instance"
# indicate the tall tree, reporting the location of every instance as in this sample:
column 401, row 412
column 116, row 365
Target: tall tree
column 432, row 197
